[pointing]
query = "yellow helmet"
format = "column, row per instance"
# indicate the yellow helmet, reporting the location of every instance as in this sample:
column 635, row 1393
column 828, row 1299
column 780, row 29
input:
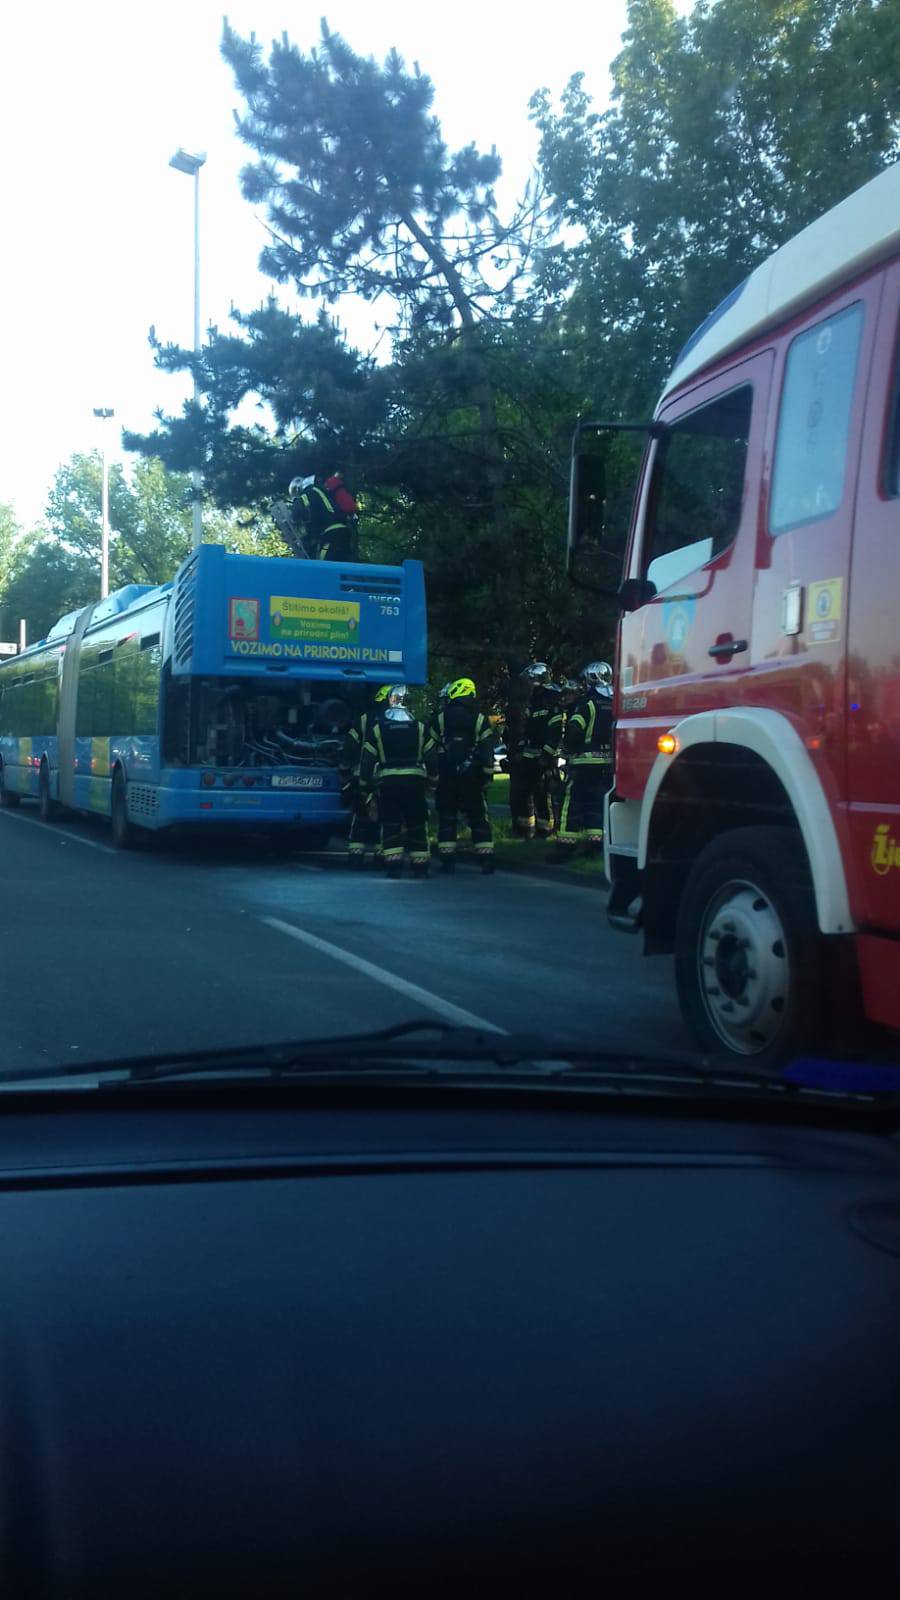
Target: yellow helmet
column 382, row 693
column 461, row 688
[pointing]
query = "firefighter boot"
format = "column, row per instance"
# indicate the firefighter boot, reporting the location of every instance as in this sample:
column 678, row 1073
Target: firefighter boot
column 448, row 864
column 420, row 869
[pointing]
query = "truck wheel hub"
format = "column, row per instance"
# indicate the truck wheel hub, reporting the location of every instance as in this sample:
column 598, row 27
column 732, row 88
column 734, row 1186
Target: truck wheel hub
column 743, row 968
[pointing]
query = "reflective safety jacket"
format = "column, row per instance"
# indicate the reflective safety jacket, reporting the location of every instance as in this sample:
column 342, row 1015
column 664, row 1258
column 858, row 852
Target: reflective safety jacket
column 464, row 739
column 542, row 733
column 588, row 740
column 351, row 754
column 397, row 750
column 329, row 531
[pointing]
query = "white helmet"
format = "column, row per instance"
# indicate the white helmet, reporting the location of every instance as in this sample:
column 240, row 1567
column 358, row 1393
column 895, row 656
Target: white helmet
column 297, row 485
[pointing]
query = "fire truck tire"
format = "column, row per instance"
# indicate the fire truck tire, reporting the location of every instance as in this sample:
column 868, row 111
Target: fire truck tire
column 749, row 958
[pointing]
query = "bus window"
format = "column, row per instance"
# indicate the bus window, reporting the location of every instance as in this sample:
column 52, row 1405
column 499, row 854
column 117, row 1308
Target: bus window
column 122, row 697
column 146, row 668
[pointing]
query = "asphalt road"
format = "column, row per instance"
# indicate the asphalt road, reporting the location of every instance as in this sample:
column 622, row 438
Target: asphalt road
column 187, row 946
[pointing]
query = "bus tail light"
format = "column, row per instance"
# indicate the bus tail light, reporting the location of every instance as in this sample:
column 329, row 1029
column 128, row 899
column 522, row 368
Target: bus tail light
column 208, row 780
column 247, row 781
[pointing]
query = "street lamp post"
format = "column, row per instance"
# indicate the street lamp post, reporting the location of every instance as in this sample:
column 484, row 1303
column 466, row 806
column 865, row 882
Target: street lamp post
column 184, row 161
column 104, row 413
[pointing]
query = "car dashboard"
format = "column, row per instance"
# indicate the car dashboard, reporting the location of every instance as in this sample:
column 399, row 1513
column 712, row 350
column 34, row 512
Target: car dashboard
column 359, row 1342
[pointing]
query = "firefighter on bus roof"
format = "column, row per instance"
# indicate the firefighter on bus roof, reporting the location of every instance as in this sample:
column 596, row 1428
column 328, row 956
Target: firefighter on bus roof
column 327, row 518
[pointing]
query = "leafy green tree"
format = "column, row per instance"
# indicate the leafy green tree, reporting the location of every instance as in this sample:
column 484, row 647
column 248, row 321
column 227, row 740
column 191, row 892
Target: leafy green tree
column 45, row 582
column 364, row 197
column 328, row 403
column 729, row 129
column 55, row 568
column 9, row 531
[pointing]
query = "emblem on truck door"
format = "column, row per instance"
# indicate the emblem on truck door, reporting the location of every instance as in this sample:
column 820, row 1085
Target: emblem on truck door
column 678, row 617
column 824, row 615
column 885, row 850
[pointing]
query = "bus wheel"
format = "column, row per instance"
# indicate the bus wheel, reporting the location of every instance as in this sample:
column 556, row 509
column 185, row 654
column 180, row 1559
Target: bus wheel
column 125, row 834
column 8, row 800
column 749, row 959
column 46, row 804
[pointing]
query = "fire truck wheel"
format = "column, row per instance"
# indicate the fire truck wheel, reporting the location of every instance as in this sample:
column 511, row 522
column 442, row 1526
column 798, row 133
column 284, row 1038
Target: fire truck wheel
column 749, row 959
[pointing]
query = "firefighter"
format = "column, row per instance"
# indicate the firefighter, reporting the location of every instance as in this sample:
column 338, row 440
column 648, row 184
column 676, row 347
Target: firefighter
column 464, row 741
column 398, row 765
column 365, row 827
column 328, row 532
column 570, row 693
column 534, row 759
column 588, row 752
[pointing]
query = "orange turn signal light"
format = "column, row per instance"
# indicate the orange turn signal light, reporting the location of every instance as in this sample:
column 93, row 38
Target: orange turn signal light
column 667, row 744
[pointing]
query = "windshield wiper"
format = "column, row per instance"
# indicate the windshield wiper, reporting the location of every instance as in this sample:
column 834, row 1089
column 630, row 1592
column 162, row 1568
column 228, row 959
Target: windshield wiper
column 440, row 1051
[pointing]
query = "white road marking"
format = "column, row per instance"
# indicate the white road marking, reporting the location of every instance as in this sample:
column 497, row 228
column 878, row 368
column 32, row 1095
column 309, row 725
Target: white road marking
column 61, row 833
column 412, row 991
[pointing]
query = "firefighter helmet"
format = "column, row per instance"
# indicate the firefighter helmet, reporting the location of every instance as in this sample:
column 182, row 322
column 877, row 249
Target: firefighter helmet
column 537, row 672
column 597, row 673
column 461, row 689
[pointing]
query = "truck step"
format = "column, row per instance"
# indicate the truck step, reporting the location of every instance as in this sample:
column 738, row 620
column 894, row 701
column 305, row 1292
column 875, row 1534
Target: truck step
column 625, row 905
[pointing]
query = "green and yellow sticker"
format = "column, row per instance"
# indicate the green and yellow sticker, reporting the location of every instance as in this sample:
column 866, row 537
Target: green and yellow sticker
column 824, row 612
column 321, row 621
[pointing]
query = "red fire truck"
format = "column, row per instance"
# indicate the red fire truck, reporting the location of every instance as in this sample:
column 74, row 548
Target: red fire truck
column 754, row 825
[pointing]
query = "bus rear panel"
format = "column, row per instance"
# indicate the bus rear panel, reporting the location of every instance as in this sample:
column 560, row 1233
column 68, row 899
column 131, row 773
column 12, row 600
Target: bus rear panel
column 221, row 698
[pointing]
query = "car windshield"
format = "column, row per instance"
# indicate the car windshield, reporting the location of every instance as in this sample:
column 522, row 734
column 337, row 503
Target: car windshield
column 352, row 717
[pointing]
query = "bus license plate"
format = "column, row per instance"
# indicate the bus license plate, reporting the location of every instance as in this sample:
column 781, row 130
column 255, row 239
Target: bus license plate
column 288, row 780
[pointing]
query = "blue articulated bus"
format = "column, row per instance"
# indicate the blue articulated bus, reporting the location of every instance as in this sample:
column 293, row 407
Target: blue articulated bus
column 219, row 698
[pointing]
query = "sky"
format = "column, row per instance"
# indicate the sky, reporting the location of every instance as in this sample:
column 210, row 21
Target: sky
column 96, row 230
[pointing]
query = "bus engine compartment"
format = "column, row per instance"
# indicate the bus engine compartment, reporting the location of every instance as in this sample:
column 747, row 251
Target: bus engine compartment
column 241, row 723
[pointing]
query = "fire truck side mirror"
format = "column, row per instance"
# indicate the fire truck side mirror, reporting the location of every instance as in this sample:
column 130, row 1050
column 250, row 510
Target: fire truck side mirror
column 587, row 502
column 636, row 592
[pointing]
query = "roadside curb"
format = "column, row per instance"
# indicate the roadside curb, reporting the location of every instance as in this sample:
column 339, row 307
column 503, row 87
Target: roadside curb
column 537, row 869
